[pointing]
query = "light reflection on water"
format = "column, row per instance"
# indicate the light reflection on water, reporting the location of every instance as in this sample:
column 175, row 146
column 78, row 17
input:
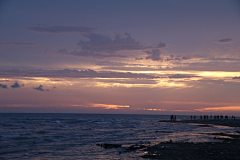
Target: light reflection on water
column 74, row 136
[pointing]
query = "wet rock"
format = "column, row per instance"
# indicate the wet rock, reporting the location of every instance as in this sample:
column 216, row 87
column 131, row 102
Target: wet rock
column 135, row 147
column 107, row 145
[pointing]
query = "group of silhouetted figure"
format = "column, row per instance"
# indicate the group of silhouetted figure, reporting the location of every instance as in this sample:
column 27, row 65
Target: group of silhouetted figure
column 173, row 117
column 216, row 117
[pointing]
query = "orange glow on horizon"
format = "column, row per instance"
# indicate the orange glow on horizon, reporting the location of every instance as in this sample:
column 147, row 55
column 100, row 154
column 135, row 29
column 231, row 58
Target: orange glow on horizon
column 110, row 106
column 220, row 109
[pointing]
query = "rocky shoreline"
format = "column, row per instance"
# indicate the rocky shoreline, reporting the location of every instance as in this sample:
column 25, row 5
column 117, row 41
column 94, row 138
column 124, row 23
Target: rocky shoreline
column 196, row 151
column 228, row 148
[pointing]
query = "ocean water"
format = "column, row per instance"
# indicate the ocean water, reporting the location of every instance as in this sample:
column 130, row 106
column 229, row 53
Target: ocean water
column 74, row 136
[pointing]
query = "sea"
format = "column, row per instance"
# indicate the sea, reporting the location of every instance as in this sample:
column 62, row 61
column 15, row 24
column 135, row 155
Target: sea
column 58, row 136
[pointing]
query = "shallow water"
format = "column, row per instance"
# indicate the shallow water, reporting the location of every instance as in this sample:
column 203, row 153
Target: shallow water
column 74, row 136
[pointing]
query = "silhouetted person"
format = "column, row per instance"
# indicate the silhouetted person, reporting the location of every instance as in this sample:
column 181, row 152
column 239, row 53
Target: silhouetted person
column 201, row 117
column 191, row 117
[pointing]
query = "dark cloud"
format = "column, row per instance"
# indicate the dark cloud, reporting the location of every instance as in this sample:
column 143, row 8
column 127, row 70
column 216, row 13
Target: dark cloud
column 162, row 45
column 104, row 43
column 138, row 58
column 154, row 55
column 236, row 77
column 71, row 73
column 15, row 85
column 181, row 76
column 3, row 86
column 223, row 41
column 40, row 88
column 17, row 43
column 62, row 29
column 103, row 46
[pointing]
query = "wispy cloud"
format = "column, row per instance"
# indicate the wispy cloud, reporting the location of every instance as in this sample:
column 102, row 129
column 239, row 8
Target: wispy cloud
column 61, row 29
column 223, row 41
column 17, row 43
column 182, row 76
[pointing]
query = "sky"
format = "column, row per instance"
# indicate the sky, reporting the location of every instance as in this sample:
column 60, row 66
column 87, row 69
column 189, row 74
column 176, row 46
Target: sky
column 120, row 57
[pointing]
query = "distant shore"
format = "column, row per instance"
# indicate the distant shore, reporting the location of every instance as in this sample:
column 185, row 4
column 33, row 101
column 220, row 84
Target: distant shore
column 224, row 122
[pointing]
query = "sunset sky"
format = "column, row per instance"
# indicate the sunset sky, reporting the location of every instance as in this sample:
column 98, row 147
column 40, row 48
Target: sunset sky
column 120, row 56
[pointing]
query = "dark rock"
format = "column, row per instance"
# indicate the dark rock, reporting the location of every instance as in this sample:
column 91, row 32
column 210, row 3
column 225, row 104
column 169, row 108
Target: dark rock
column 107, row 145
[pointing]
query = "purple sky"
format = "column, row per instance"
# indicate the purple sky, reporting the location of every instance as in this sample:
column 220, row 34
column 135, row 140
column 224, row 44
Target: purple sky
column 138, row 56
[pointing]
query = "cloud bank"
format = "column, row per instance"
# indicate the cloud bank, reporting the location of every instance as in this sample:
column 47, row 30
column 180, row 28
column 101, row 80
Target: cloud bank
column 71, row 73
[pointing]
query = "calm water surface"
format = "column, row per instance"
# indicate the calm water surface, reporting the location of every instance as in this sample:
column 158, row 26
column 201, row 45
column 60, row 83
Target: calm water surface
column 74, row 136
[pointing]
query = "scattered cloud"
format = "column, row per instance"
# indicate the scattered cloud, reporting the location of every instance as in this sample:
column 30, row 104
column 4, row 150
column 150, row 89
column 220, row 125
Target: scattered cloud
column 3, row 86
column 223, row 41
column 61, row 29
column 236, row 77
column 16, row 85
column 162, row 45
column 16, row 43
column 40, row 88
column 156, row 55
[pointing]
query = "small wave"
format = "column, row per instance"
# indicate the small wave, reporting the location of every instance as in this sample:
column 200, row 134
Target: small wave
column 102, row 122
column 56, row 140
column 138, row 127
column 11, row 136
column 25, row 127
column 41, row 132
column 117, row 122
column 65, row 126
column 55, row 121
